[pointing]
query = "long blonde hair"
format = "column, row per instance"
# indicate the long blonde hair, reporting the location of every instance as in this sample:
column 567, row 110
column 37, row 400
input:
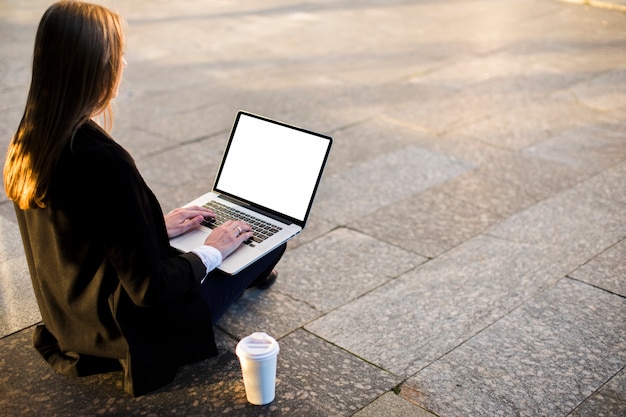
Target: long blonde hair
column 77, row 66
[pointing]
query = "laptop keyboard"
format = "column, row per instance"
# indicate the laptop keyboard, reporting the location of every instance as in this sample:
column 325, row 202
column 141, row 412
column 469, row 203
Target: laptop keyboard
column 261, row 229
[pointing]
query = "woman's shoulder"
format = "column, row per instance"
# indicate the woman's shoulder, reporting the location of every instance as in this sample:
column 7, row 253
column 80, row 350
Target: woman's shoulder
column 93, row 144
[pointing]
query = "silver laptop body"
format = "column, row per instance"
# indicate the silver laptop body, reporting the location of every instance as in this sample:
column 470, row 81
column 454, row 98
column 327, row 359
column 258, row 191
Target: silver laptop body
column 270, row 170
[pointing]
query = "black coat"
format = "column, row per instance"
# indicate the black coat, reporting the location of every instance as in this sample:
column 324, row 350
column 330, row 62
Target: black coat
column 112, row 293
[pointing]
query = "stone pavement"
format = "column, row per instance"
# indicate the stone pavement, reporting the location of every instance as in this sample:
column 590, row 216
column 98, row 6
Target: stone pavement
column 466, row 253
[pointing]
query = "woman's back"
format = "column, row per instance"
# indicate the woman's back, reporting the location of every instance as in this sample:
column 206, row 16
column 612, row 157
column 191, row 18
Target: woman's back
column 104, row 275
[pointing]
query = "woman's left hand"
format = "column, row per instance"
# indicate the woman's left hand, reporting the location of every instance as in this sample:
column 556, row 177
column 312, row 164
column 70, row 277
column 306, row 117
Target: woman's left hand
column 179, row 220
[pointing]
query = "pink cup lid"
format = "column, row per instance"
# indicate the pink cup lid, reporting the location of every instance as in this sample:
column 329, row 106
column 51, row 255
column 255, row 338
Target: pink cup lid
column 257, row 346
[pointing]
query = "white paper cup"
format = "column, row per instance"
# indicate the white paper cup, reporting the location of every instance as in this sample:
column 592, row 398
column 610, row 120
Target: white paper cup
column 257, row 355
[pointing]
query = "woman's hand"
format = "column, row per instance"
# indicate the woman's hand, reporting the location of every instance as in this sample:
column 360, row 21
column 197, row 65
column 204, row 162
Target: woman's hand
column 229, row 236
column 179, row 220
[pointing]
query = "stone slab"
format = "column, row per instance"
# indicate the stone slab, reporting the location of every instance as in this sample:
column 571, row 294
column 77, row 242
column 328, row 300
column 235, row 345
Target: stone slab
column 10, row 238
column 340, row 385
column 367, row 140
column 448, row 214
column 607, row 270
column 524, row 121
column 391, row 404
column 454, row 144
column 575, row 225
column 434, row 221
column 483, row 27
column 315, row 227
column 432, row 108
column 510, row 368
column 590, row 148
column 518, row 64
column 180, row 116
column 214, row 386
column 609, row 401
column 601, row 26
column 610, row 184
column 335, row 381
column 616, row 387
column 415, row 319
column 201, row 158
column 18, row 307
column 391, row 177
column 600, row 405
column 340, row 267
column 509, row 183
column 528, row 177
column 604, row 92
column 268, row 311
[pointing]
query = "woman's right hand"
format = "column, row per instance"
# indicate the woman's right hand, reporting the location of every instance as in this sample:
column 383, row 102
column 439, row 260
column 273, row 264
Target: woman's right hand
column 229, row 236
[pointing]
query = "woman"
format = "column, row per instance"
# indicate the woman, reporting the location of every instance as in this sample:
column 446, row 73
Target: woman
column 112, row 293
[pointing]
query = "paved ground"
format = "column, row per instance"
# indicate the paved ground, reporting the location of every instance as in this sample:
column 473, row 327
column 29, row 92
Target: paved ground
column 466, row 253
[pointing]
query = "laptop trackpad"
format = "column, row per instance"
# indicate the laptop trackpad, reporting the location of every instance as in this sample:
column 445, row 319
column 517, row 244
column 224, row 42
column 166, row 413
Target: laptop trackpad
column 190, row 240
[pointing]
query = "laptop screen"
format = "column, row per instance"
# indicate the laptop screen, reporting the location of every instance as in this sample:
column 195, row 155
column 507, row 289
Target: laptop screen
column 273, row 165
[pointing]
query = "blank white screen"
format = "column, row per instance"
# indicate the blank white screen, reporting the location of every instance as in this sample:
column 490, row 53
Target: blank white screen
column 273, row 165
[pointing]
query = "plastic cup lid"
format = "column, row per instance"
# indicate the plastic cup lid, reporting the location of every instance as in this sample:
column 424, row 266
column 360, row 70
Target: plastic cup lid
column 257, row 346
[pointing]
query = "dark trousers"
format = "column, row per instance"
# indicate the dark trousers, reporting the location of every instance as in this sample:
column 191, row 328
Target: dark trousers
column 220, row 290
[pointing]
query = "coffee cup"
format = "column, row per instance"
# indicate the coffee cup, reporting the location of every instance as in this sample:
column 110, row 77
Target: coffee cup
column 257, row 355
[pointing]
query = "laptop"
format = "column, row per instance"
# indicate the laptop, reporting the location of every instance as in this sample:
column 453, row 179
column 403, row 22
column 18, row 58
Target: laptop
column 268, row 177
